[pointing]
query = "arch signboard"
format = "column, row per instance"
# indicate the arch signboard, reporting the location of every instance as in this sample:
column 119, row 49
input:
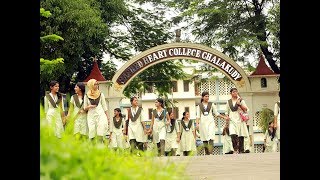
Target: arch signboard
column 173, row 51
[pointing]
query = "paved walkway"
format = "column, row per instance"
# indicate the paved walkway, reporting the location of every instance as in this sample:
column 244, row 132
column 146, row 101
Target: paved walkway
column 251, row 166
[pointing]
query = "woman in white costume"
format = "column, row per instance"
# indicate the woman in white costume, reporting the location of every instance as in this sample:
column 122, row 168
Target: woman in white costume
column 188, row 135
column 54, row 110
column 277, row 119
column 178, row 151
column 160, row 119
column 96, row 107
column 137, row 132
column 172, row 136
column 227, row 142
column 117, row 130
column 237, row 128
column 270, row 139
column 205, row 122
column 248, row 141
column 77, row 114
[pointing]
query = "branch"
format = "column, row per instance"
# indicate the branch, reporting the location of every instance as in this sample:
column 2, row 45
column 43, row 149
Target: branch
column 257, row 9
column 129, row 30
column 247, row 8
column 253, row 2
column 116, row 55
column 261, row 4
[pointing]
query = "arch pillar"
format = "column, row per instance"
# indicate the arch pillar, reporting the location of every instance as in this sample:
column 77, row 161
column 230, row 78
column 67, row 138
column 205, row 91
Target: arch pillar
column 113, row 102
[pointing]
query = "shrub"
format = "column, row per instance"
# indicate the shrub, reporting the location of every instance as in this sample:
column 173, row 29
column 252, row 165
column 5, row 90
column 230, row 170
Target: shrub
column 68, row 158
column 266, row 117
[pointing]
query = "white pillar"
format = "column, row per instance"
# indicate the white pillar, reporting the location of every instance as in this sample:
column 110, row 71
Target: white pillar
column 113, row 102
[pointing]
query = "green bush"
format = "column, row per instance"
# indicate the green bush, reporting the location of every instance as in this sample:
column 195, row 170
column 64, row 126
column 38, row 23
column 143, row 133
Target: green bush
column 266, row 117
column 68, row 158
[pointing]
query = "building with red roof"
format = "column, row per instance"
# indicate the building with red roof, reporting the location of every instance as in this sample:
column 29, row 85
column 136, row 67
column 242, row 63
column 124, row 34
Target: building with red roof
column 95, row 73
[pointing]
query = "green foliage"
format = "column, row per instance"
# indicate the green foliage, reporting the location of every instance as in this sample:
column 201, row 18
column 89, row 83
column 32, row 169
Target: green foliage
column 44, row 13
column 144, row 29
column 266, row 117
column 51, row 37
column 241, row 28
column 159, row 76
column 84, row 32
column 273, row 25
column 108, row 70
column 250, row 67
column 52, row 62
column 68, row 158
column 93, row 27
column 49, row 69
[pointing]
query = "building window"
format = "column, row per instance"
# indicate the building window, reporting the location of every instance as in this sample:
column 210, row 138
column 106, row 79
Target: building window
column 186, row 109
column 150, row 113
column 186, row 86
column 174, row 86
column 263, row 82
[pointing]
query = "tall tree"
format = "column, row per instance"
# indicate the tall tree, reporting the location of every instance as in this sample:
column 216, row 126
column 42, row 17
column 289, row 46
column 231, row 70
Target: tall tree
column 239, row 27
column 49, row 68
column 136, row 29
column 93, row 27
column 81, row 25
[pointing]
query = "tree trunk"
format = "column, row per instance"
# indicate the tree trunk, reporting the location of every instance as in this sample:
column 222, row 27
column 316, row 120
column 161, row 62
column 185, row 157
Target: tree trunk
column 262, row 36
column 269, row 57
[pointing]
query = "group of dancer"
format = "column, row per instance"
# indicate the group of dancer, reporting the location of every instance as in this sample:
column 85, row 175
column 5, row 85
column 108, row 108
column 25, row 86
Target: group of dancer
column 89, row 117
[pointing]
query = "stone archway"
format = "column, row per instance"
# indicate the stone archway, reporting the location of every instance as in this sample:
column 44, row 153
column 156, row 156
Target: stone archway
column 172, row 51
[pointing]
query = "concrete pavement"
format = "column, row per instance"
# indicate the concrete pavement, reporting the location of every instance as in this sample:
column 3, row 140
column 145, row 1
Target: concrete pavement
column 249, row 166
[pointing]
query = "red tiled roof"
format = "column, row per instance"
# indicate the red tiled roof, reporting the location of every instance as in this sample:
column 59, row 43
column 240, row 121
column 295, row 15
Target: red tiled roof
column 262, row 68
column 95, row 73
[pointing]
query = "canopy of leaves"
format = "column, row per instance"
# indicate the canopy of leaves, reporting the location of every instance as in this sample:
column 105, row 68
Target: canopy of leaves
column 49, row 69
column 44, row 13
column 108, row 70
column 81, row 25
column 273, row 25
column 148, row 28
column 51, row 37
column 118, row 28
column 241, row 28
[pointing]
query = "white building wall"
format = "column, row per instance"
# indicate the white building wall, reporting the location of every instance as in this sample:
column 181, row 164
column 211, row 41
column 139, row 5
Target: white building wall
column 272, row 83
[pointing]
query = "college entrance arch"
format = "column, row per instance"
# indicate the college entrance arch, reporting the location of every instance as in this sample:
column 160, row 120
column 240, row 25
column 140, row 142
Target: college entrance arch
column 173, row 51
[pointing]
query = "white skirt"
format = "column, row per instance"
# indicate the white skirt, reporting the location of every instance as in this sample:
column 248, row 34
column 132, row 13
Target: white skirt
column 158, row 131
column 207, row 128
column 171, row 141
